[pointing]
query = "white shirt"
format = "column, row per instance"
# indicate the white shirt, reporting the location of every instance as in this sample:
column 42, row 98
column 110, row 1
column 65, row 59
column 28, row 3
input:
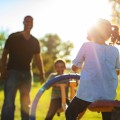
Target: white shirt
column 98, row 76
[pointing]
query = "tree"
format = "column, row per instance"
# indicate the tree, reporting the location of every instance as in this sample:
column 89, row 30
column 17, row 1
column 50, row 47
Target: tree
column 52, row 47
column 3, row 36
column 115, row 6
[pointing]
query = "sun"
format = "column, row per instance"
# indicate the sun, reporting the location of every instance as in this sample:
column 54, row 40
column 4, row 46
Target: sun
column 89, row 11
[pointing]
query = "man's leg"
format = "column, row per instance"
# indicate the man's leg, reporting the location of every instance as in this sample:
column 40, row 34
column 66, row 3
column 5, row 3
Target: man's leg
column 10, row 90
column 24, row 89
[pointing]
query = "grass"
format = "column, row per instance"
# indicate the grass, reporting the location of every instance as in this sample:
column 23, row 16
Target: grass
column 43, row 105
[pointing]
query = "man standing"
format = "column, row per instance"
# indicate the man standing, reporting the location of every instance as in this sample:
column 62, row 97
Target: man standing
column 16, row 68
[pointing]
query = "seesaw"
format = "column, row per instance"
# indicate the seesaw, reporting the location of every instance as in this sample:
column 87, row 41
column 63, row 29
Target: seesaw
column 97, row 106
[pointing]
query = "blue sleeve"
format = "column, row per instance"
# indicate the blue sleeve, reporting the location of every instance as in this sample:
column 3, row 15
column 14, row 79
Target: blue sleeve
column 79, row 59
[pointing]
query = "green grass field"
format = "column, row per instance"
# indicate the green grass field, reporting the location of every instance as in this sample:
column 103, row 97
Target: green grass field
column 43, row 104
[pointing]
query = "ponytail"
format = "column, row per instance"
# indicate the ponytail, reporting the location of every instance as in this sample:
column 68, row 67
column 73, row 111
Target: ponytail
column 115, row 37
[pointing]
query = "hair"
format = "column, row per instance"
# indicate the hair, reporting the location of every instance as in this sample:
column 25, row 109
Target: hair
column 59, row 60
column 102, row 29
column 115, row 37
column 28, row 16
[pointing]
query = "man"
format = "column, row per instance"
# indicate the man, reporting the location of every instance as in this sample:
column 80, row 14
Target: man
column 21, row 47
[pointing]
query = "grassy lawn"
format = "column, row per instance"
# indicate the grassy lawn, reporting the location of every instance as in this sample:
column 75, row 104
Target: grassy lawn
column 43, row 104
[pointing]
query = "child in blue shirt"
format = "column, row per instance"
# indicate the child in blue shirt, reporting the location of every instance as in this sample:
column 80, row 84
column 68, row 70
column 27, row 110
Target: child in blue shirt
column 98, row 79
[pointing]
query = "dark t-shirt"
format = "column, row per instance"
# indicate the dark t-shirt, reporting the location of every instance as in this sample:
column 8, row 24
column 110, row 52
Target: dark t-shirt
column 21, row 51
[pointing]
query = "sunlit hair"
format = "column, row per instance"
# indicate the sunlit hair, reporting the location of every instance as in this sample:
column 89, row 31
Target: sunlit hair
column 59, row 60
column 104, row 30
column 115, row 37
column 28, row 16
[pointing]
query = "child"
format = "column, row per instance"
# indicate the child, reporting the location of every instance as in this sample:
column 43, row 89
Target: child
column 98, row 79
column 55, row 103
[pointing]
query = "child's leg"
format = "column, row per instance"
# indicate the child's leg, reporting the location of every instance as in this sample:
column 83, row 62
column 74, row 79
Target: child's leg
column 106, row 115
column 54, row 105
column 76, row 107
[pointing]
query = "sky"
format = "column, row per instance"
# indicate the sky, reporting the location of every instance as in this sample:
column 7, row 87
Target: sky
column 67, row 18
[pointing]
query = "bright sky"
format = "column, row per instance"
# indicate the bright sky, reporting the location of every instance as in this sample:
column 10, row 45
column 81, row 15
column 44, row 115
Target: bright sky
column 67, row 18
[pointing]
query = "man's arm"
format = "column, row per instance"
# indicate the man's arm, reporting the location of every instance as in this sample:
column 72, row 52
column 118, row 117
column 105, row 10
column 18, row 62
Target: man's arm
column 4, row 64
column 39, row 62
